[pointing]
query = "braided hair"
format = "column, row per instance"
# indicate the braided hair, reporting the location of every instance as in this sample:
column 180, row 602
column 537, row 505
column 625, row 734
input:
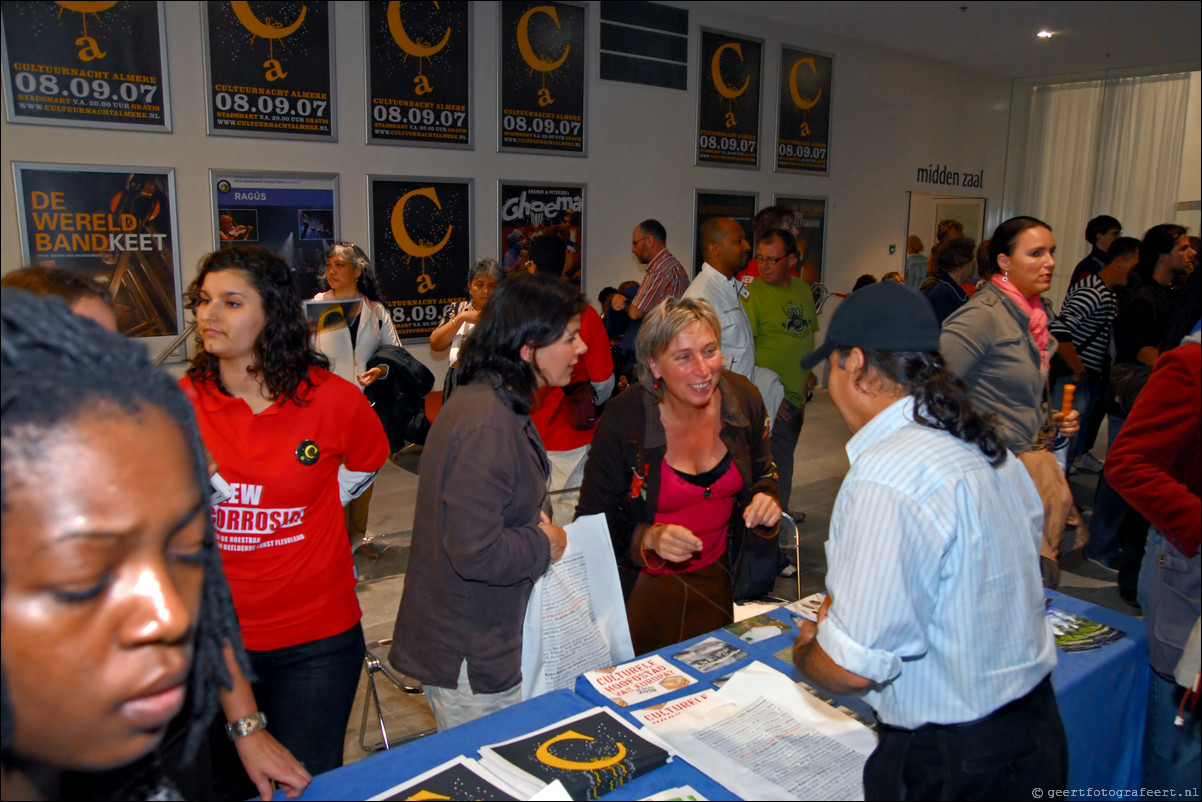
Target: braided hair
column 942, row 398
column 57, row 367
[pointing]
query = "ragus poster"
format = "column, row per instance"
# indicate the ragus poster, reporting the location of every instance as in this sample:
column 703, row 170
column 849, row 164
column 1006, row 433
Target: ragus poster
column 269, row 66
column 544, row 69
column 728, row 100
column 421, row 246
column 293, row 215
column 419, row 76
column 95, row 65
column 532, row 210
column 804, row 120
column 117, row 226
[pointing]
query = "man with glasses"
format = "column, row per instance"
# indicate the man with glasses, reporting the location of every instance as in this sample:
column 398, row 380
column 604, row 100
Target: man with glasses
column 783, row 320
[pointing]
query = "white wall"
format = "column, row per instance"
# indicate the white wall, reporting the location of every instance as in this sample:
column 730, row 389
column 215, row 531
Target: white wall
column 892, row 113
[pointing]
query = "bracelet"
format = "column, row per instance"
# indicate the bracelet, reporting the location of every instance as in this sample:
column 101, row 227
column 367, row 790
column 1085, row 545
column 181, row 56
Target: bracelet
column 245, row 726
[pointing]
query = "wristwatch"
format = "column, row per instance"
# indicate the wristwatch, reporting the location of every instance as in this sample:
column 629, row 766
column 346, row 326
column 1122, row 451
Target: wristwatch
column 245, row 726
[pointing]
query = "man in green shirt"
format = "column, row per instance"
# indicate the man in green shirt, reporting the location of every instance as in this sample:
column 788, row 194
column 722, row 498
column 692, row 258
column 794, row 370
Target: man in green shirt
column 780, row 307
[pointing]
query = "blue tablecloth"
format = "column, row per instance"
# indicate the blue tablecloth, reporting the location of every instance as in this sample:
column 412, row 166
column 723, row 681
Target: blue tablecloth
column 1102, row 696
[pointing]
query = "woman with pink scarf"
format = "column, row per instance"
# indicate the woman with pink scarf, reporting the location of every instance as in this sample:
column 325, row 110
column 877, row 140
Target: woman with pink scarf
column 999, row 344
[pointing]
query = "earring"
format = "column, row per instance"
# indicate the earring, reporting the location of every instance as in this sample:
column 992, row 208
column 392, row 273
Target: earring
column 655, row 385
column 1006, row 275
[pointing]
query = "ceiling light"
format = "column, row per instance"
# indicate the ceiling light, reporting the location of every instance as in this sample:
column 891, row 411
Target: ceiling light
column 1044, row 34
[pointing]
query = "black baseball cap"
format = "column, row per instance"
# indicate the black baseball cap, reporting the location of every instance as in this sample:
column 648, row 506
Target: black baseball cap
column 885, row 316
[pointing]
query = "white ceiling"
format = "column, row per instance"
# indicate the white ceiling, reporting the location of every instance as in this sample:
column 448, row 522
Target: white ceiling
column 999, row 37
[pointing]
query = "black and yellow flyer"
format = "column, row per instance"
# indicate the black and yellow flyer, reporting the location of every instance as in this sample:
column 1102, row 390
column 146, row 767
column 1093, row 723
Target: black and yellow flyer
column 728, row 100
column 804, row 121
column 421, row 245
column 543, row 77
column 269, row 67
column 97, row 65
column 419, row 77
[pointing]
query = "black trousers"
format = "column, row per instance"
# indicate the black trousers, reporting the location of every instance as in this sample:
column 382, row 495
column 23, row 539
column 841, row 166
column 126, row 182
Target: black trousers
column 1005, row 755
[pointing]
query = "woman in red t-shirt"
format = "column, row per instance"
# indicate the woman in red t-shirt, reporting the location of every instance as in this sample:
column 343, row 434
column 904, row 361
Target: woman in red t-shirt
column 294, row 443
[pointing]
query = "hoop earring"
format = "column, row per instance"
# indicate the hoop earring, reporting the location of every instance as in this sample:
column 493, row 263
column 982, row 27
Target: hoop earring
column 1006, row 276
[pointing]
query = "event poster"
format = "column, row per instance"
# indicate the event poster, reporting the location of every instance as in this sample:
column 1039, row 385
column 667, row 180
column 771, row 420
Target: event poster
column 419, row 73
column 421, row 241
column 294, row 215
column 543, row 77
column 809, row 215
column 532, row 210
column 95, row 65
column 116, row 225
column 804, row 121
column 738, row 206
column 270, row 69
column 728, row 100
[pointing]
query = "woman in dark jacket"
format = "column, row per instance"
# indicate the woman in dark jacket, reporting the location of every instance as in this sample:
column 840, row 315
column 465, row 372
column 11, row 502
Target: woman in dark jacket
column 682, row 468
column 480, row 538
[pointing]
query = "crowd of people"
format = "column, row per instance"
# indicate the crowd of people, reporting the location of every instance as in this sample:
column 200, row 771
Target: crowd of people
column 184, row 561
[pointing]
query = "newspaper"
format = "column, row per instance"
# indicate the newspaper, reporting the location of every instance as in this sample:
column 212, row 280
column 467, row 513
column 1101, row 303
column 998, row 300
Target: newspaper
column 458, row 778
column 638, row 681
column 576, row 617
column 657, row 714
column 762, row 738
column 591, row 753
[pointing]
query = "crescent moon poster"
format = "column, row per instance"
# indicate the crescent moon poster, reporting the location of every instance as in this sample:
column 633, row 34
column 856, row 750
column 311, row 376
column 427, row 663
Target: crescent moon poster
column 421, row 246
column 269, row 69
column 804, row 121
column 87, row 64
column 419, row 76
column 728, row 100
column 543, row 76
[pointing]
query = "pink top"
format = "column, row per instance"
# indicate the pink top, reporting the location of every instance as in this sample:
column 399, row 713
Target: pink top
column 705, row 511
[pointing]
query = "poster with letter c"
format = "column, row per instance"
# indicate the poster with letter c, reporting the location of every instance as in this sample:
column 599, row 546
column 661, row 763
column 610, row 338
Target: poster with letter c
column 804, row 118
column 728, row 100
column 269, row 69
column 421, row 248
column 544, row 75
column 114, row 225
column 419, row 73
column 92, row 65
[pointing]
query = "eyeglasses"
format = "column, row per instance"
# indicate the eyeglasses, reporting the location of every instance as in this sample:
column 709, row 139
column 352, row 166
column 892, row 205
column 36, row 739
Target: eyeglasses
column 772, row 262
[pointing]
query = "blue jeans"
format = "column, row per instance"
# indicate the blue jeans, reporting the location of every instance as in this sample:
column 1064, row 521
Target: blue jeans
column 1109, row 509
column 307, row 692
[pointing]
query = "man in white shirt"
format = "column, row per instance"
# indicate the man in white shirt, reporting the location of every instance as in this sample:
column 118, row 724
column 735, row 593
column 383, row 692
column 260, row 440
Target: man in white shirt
column 726, row 251
column 935, row 610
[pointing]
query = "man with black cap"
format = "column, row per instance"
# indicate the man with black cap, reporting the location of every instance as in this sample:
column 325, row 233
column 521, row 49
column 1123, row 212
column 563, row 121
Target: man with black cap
column 935, row 610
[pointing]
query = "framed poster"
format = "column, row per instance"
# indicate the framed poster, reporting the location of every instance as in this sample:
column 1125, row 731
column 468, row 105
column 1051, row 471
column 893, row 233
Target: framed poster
column 728, row 100
column 809, row 216
column 544, row 74
column 269, row 69
column 294, row 215
column 738, row 206
column 419, row 73
column 117, row 226
column 530, row 210
column 803, row 124
column 104, row 67
column 421, row 247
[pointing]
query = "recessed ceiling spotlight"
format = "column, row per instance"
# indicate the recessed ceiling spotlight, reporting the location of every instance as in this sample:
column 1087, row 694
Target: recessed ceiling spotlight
column 1044, row 34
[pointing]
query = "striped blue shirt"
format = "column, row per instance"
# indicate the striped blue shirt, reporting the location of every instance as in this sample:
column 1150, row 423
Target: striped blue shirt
column 933, row 571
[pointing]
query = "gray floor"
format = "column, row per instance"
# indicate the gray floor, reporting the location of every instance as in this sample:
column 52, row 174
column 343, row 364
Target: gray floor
column 819, row 468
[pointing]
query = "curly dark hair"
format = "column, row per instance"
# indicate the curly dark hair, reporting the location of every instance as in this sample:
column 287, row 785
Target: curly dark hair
column 942, row 398
column 525, row 310
column 284, row 351
column 954, row 254
column 57, row 368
